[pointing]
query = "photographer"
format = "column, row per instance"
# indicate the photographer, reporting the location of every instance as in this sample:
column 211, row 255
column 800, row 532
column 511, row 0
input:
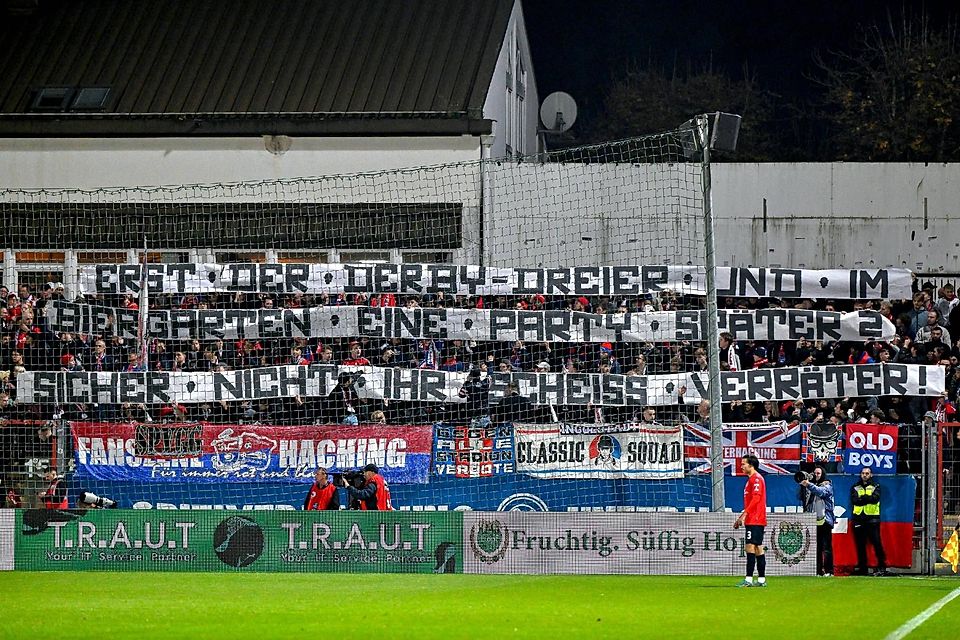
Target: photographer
column 323, row 495
column 375, row 493
column 816, row 496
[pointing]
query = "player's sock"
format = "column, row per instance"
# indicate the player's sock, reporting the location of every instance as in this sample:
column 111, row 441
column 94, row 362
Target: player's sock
column 751, row 561
column 762, row 567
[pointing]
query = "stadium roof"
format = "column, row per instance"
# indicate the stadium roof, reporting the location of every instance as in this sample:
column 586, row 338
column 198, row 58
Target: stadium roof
column 248, row 67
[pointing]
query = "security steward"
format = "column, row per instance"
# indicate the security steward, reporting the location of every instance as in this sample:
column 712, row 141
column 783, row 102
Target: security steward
column 865, row 498
column 323, row 494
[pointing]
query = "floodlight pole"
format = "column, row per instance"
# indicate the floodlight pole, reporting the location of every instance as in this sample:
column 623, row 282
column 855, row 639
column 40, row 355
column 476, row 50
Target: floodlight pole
column 718, row 497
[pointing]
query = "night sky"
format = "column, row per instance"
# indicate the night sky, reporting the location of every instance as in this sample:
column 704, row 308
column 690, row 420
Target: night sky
column 578, row 46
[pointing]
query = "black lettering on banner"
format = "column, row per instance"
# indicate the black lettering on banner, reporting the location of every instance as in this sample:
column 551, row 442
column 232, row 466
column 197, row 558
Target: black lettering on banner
column 211, row 324
column 653, row 278
column 357, row 278
column 179, row 273
column 406, row 384
column 556, row 326
column 105, row 278
column 552, row 388
column 733, row 386
column 726, row 287
column 271, row 278
column 618, row 323
column 741, row 325
column 407, row 322
column 611, row 390
column 227, row 385
column 501, row 321
column 411, row 277
column 625, row 281
column 158, row 387
column 586, row 322
column 77, row 387
column 579, row 388
column 265, row 382
column 271, row 323
column 432, row 385
column 558, row 282
column 785, row 383
column 530, row 326
column 529, row 281
column 296, row 323
column 802, row 324
column 839, row 375
column 759, row 384
column 127, row 323
column 787, row 283
column 811, row 383
column 45, row 387
column 296, row 277
column 243, row 277
column 863, row 285
column 386, row 278
column 431, row 327
column 292, row 381
column 750, row 284
column 870, row 324
column 472, row 282
column 443, row 278
column 155, row 276
column 869, row 380
column 828, row 326
column 370, row 321
column 635, row 390
column 586, row 281
column 103, row 387
column 896, row 378
column 688, row 323
column 129, row 275
column 132, row 388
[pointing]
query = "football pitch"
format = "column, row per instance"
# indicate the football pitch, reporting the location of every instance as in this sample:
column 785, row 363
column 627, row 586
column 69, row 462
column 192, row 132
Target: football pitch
column 171, row 605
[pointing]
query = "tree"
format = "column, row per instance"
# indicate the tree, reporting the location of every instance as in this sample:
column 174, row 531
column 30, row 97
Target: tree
column 647, row 100
column 894, row 96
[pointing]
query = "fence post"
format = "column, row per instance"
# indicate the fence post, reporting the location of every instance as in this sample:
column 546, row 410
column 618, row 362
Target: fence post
column 931, row 486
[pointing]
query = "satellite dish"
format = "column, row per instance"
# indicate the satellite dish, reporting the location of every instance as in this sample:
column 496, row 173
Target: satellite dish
column 558, row 112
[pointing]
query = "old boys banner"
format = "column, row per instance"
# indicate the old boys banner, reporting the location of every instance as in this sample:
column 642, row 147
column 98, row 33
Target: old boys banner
column 425, row 385
column 777, row 447
column 201, row 452
column 418, row 279
column 466, row 324
column 568, row 450
column 476, row 450
column 871, row 445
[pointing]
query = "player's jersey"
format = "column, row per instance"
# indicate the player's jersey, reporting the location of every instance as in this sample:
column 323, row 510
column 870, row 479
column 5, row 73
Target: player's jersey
column 755, row 500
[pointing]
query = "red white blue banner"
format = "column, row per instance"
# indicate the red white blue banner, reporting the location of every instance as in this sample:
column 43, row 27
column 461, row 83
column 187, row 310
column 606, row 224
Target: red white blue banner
column 873, row 446
column 202, row 452
column 777, row 447
column 476, row 450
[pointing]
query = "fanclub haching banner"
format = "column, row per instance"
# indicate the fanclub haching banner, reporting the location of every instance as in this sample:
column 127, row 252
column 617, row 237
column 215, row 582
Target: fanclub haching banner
column 418, row 279
column 427, row 385
column 467, row 324
column 563, row 450
column 480, row 449
column 776, row 445
column 202, row 452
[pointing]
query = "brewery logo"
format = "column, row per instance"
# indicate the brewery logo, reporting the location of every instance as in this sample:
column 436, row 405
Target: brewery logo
column 238, row 541
column 489, row 540
column 790, row 542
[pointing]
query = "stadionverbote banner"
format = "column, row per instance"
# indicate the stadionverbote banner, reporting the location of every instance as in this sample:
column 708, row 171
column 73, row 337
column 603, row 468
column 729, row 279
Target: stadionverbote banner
column 777, row 446
column 216, row 453
column 466, row 324
column 565, row 450
column 871, row 445
column 481, row 449
column 426, row 385
column 283, row 541
column 632, row 543
column 419, row 279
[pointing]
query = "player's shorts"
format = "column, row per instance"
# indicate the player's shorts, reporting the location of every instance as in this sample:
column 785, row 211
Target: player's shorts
column 754, row 534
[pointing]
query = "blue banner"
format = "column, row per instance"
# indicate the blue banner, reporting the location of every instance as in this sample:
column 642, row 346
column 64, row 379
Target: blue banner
column 481, row 449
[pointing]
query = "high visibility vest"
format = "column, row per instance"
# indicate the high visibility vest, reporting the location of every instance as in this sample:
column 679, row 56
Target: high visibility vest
column 868, row 509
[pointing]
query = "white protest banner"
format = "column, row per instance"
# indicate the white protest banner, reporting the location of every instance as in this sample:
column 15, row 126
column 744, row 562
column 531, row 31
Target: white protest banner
column 599, row 451
column 419, row 279
column 518, row 542
column 426, row 385
column 467, row 324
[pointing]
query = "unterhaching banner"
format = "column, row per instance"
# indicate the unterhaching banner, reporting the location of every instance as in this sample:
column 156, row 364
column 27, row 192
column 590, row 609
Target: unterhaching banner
column 419, row 279
column 468, row 324
column 426, row 385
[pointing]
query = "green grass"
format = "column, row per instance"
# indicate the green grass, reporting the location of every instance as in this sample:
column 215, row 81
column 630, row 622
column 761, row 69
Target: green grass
column 168, row 605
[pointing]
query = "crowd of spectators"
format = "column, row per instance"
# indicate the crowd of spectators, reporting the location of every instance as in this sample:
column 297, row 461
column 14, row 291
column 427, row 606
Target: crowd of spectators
column 925, row 329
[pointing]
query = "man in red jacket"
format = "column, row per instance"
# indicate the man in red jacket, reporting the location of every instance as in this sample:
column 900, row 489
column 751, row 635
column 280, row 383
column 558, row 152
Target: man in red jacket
column 323, row 495
column 55, row 497
column 375, row 494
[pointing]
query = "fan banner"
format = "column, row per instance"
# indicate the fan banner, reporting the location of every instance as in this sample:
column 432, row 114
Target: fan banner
column 873, row 446
column 822, row 442
column 599, row 451
column 216, row 453
column 428, row 385
column 480, row 449
column 466, row 324
column 419, row 279
column 777, row 449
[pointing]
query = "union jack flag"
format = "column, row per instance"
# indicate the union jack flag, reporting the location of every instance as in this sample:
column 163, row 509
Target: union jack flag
column 777, row 448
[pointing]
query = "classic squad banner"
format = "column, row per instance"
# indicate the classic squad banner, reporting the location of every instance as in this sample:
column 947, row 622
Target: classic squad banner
column 599, row 451
column 418, row 279
column 475, row 450
column 217, row 453
column 467, row 324
column 425, row 385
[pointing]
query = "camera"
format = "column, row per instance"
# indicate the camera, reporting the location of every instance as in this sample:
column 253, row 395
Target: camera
column 353, row 478
column 800, row 476
column 98, row 502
